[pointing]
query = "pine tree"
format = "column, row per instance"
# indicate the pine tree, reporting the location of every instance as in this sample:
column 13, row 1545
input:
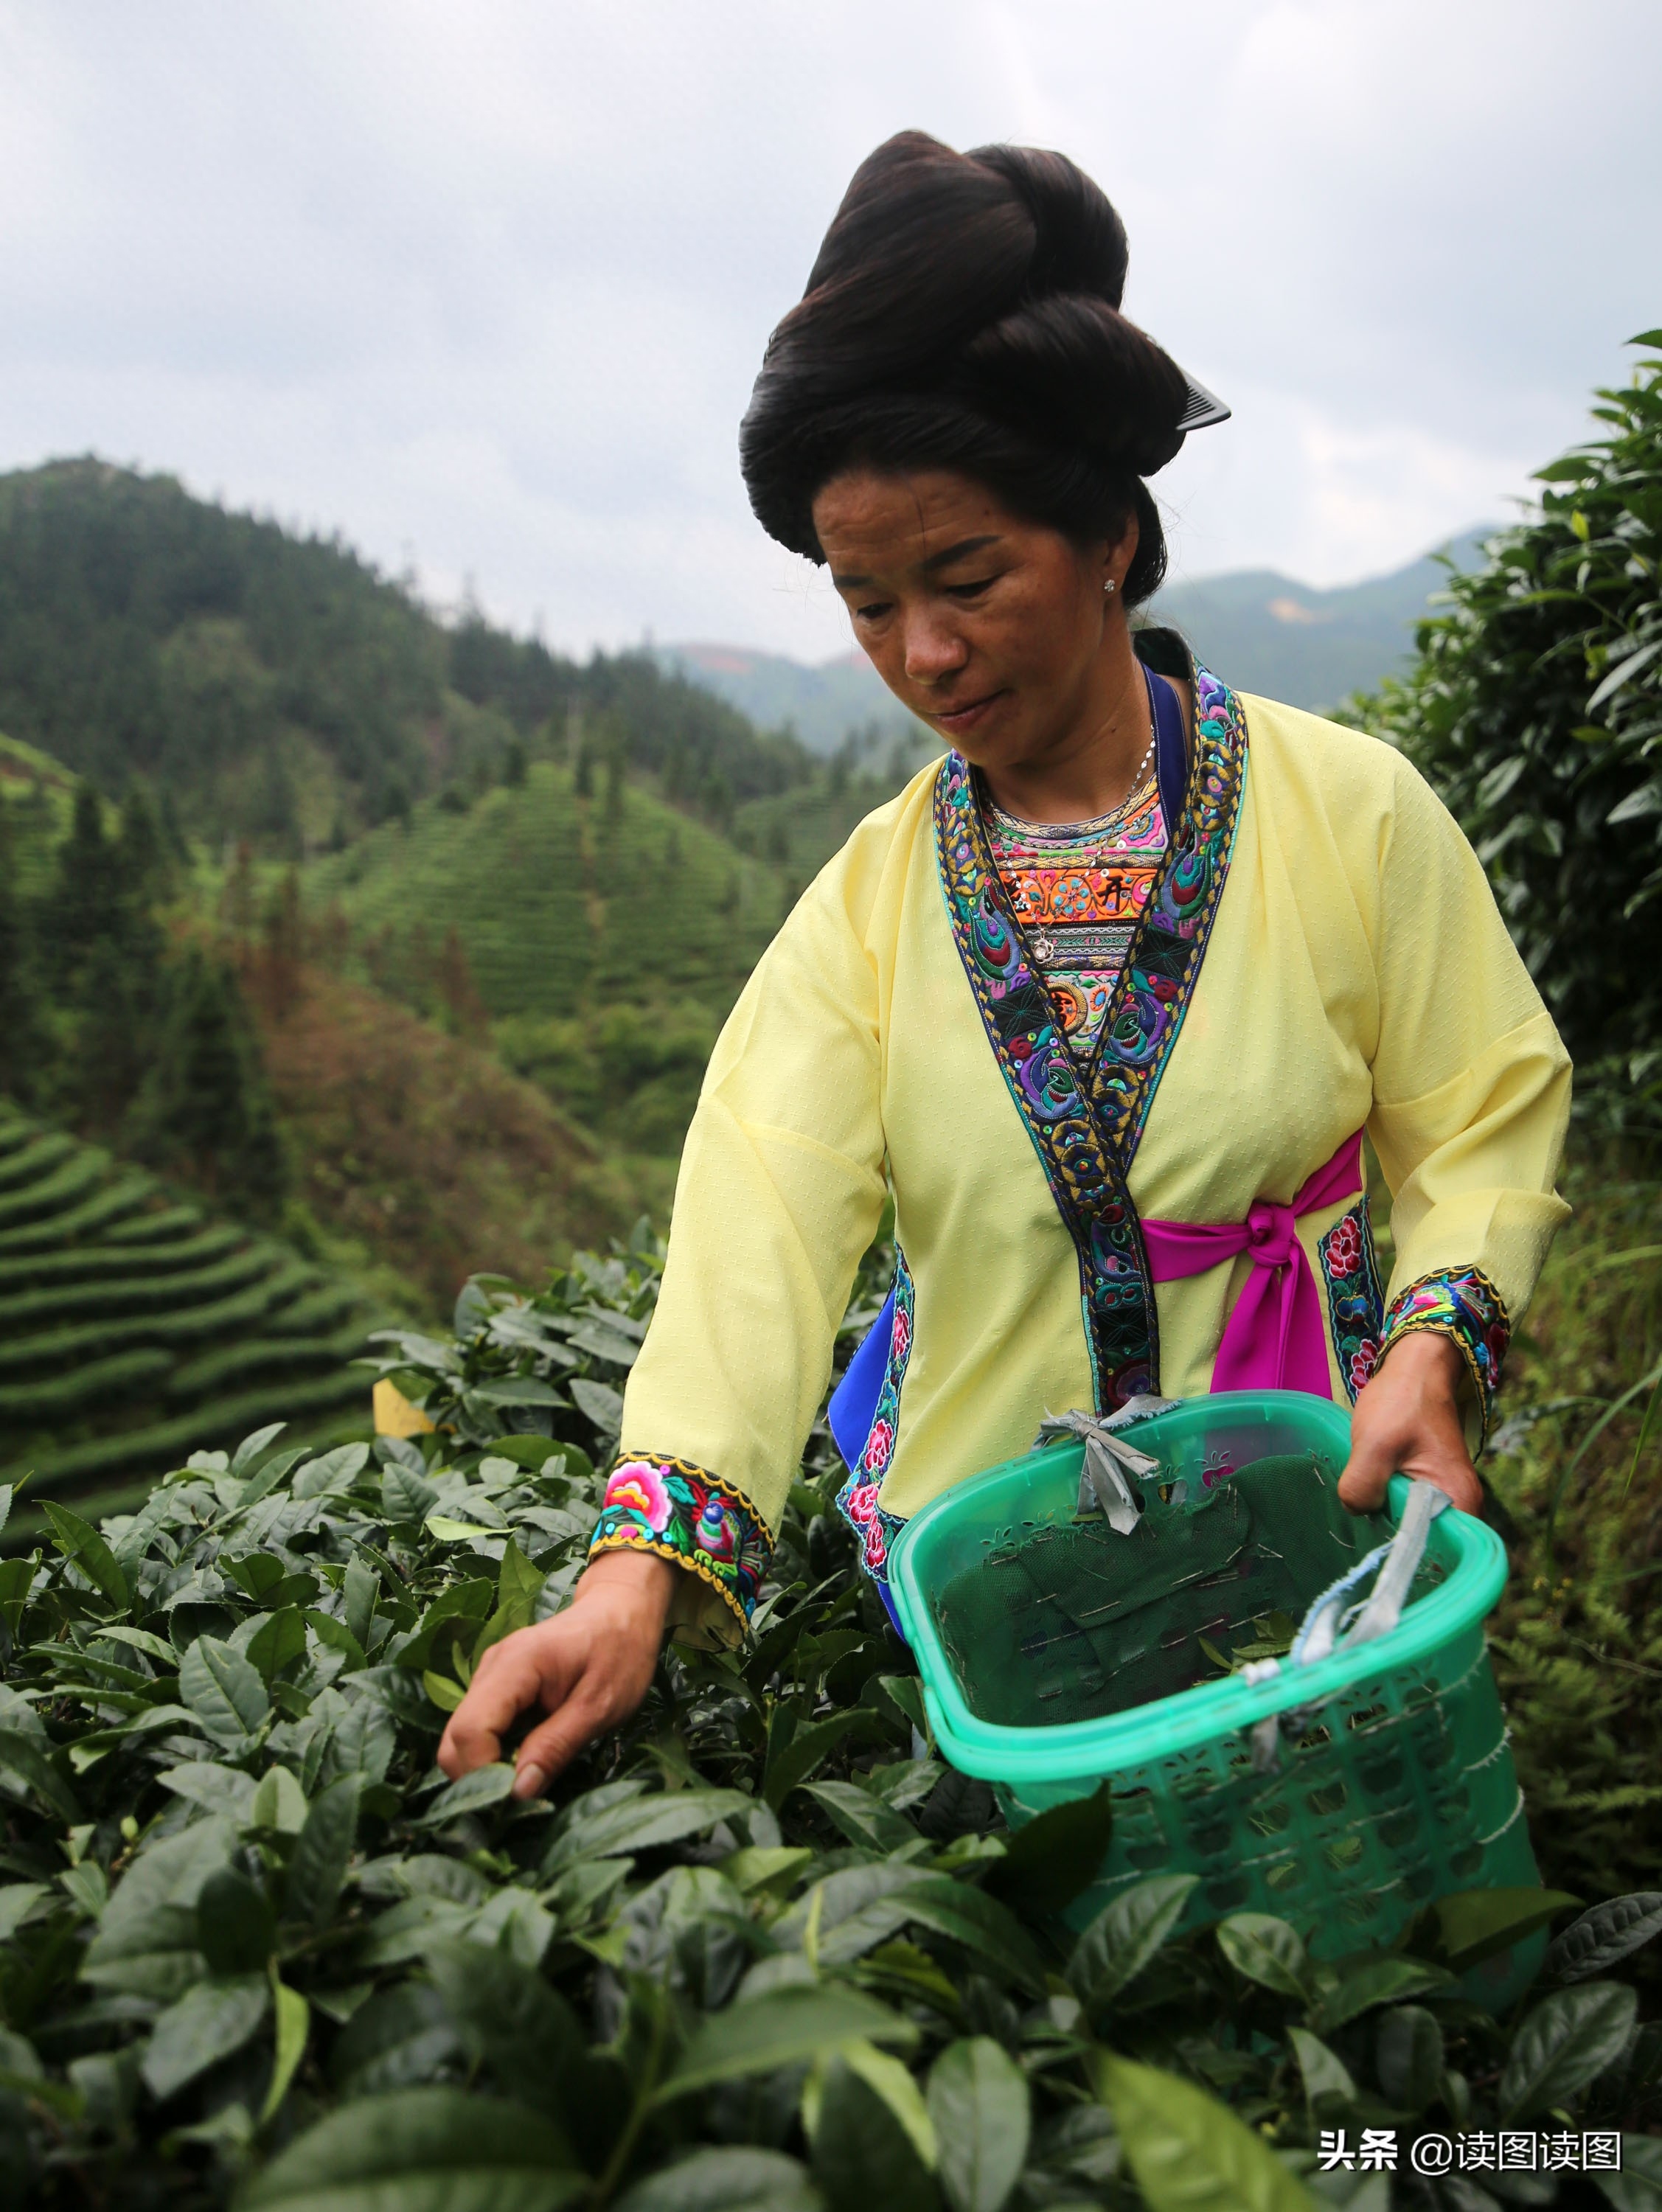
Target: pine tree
column 24, row 1041
column 114, row 1039
column 206, row 1108
column 144, row 865
column 86, row 903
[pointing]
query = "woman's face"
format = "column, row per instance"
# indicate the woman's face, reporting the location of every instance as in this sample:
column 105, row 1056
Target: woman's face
column 995, row 630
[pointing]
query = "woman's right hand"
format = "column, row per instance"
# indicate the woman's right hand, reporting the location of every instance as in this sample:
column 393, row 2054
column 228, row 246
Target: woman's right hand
column 588, row 1669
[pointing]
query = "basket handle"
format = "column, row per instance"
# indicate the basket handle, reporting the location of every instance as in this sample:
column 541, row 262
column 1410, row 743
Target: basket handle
column 1389, row 1595
column 1325, row 1629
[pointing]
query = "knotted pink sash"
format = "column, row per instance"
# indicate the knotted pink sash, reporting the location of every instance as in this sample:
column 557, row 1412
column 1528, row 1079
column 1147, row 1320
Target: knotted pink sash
column 1276, row 1338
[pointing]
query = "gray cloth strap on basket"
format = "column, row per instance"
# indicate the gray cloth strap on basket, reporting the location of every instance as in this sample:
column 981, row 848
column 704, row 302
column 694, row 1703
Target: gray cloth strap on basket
column 1103, row 1482
column 1329, row 1625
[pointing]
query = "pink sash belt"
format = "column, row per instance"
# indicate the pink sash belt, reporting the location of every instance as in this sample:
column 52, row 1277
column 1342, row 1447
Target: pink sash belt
column 1276, row 1338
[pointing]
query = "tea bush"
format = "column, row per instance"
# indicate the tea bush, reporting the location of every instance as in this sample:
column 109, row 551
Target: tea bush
column 1535, row 707
column 760, row 1949
column 1577, row 1637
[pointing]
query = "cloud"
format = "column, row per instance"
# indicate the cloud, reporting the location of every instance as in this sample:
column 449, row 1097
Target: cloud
column 485, row 287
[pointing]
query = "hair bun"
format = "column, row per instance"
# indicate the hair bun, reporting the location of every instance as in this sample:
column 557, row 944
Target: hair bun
column 1070, row 367
column 963, row 312
column 1080, row 243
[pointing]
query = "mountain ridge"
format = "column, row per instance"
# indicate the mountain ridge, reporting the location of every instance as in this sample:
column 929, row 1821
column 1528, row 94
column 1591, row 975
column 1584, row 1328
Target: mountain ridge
column 1307, row 645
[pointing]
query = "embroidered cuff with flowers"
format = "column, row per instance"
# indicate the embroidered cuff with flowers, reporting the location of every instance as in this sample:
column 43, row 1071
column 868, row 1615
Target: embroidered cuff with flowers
column 682, row 1512
column 1463, row 1305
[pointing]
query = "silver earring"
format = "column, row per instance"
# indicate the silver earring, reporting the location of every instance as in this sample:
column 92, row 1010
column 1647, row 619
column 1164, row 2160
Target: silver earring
column 1107, row 587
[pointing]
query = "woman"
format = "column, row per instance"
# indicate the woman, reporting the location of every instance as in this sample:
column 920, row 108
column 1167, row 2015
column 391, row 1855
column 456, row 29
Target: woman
column 1104, row 999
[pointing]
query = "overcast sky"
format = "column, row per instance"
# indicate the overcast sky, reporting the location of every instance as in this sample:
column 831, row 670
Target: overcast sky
column 483, row 285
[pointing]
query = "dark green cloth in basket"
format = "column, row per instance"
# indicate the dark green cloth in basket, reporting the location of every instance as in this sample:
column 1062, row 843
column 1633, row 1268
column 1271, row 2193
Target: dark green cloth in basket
column 1070, row 1622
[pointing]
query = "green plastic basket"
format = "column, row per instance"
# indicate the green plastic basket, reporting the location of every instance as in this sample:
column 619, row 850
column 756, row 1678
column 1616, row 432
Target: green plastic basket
column 1400, row 1788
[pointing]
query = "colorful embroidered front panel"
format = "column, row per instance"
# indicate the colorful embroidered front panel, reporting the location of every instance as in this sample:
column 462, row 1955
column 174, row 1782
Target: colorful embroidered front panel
column 857, row 1499
column 1164, row 964
column 1463, row 1304
column 1078, row 889
column 682, row 1512
column 1085, row 1125
column 1355, row 1304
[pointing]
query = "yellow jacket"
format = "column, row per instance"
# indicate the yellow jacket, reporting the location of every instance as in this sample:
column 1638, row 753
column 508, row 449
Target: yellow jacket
column 1339, row 962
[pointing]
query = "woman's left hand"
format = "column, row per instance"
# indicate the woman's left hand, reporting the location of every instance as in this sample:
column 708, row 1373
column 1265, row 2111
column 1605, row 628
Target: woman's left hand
column 1407, row 1421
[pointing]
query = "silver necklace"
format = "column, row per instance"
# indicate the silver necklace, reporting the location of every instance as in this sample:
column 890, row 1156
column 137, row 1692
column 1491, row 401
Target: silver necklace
column 1137, row 781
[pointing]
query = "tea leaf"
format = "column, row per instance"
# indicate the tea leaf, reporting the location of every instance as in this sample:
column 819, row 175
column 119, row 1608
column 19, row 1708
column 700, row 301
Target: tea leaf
column 1376, row 1981
column 407, row 1498
column 1474, row 1924
column 19, row 1903
column 234, row 1924
column 1126, row 1936
column 322, row 1852
column 331, row 1473
column 1607, row 1933
column 979, row 2103
column 421, row 2148
column 1569, row 2037
column 22, row 1756
column 277, row 1643
column 864, row 2153
column 981, row 1924
column 640, row 1824
column 507, row 2015
column 294, row 2022
column 279, row 1802
column 1051, row 1859
column 1266, row 1950
column 1408, row 2057
column 1637, row 2185
column 209, row 2022
column 731, row 2178
column 445, row 1694
column 81, row 1544
column 863, row 1817
column 806, row 1749
column 1323, row 2072
column 768, row 2032
column 473, row 1793
column 223, row 1690
column 1189, row 2153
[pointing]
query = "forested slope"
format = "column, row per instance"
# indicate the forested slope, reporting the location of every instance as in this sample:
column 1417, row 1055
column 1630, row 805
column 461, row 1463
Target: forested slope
column 275, row 687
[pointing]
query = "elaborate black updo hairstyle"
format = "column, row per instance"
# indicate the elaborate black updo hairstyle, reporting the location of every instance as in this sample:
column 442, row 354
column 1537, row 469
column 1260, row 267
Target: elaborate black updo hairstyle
column 964, row 312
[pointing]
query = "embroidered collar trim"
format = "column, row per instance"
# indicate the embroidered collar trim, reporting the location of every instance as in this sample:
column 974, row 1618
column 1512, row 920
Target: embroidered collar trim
column 1085, row 1123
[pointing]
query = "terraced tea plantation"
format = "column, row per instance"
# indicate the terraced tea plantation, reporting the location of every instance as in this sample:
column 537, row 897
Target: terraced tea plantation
column 559, row 903
column 133, row 1328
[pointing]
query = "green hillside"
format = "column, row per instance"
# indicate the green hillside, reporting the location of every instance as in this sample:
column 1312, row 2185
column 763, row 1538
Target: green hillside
column 133, row 1328
column 800, row 831
column 600, row 939
column 558, row 901
column 37, row 800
